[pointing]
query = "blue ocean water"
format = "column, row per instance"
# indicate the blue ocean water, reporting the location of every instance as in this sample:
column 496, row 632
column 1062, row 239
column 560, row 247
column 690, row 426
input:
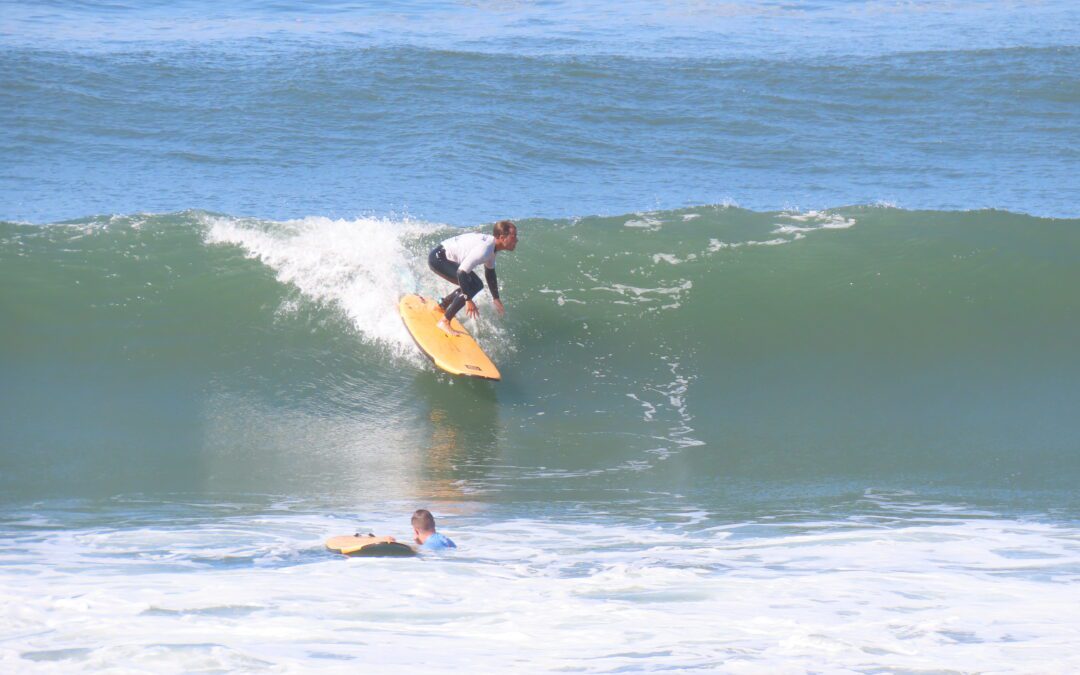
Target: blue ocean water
column 560, row 109
column 790, row 373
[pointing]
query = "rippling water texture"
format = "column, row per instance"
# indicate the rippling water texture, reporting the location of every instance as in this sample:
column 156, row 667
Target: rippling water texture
column 429, row 109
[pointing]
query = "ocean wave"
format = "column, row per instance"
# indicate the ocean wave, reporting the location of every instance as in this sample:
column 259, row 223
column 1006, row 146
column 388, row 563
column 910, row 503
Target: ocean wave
column 869, row 338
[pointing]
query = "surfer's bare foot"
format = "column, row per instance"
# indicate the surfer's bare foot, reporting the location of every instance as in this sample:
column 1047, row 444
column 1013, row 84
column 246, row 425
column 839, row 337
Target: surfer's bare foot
column 445, row 326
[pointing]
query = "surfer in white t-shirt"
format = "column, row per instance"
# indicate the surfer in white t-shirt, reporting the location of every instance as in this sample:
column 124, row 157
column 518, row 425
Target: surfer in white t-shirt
column 454, row 260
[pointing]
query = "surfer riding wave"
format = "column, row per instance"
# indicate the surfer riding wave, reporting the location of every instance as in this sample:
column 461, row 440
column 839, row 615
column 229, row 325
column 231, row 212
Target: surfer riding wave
column 454, row 260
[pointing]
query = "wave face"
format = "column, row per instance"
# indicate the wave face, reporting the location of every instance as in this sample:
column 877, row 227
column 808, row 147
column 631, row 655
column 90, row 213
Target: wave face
column 684, row 349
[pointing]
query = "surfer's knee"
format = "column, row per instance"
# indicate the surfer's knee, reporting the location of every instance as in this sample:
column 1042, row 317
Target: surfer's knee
column 472, row 286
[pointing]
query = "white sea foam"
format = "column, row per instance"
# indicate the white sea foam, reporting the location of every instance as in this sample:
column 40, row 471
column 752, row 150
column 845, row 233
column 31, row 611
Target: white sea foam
column 810, row 221
column 361, row 266
column 815, row 220
column 717, row 245
column 937, row 592
column 560, row 296
column 634, row 294
column 646, row 222
column 648, row 408
column 666, row 403
column 671, row 258
column 886, row 204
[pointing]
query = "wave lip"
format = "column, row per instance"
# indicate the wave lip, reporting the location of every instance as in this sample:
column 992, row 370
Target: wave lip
column 361, row 266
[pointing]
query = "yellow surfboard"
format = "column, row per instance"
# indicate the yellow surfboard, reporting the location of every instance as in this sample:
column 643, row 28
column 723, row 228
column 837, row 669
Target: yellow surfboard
column 457, row 354
column 369, row 545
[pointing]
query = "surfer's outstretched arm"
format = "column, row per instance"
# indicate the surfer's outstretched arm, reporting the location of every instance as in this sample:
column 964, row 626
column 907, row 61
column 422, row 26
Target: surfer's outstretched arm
column 493, row 286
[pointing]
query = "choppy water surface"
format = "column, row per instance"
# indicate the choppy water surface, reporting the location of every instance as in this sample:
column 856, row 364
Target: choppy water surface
column 558, row 109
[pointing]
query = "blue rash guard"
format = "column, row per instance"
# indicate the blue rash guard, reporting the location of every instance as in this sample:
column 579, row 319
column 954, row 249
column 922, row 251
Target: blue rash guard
column 437, row 542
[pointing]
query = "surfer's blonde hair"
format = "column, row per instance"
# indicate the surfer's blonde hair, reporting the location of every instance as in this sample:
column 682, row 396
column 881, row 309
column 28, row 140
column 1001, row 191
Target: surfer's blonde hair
column 503, row 227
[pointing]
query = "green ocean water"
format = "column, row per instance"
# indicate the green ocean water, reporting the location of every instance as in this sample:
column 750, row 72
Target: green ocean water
column 715, row 351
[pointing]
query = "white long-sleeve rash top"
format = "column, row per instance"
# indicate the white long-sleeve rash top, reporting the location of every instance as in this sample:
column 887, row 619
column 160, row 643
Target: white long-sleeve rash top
column 470, row 249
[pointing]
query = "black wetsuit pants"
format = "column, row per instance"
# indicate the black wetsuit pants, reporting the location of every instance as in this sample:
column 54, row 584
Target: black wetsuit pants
column 468, row 285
